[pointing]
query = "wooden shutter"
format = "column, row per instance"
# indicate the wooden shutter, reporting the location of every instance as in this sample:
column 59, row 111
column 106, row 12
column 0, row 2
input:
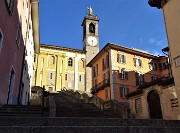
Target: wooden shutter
column 137, row 78
column 160, row 66
column 121, row 92
column 152, row 78
column 118, row 57
column 155, row 66
column 142, row 78
column 120, row 75
column 124, row 59
column 107, row 60
column 134, row 59
column 126, row 75
column 127, row 90
column 140, row 62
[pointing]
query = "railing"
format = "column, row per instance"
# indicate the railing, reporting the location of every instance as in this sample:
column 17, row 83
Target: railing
column 113, row 105
column 100, row 86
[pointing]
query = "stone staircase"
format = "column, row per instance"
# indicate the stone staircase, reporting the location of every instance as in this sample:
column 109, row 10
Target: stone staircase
column 88, row 125
column 22, row 110
column 73, row 115
column 69, row 106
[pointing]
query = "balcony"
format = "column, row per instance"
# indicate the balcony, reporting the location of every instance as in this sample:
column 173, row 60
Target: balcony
column 100, row 86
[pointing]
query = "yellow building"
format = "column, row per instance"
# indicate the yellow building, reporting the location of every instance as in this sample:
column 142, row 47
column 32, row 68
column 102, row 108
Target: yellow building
column 58, row 67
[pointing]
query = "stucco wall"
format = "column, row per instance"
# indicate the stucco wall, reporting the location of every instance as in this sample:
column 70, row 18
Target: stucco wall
column 172, row 22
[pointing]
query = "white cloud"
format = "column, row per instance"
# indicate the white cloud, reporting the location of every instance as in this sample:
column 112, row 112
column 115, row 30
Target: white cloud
column 152, row 40
column 160, row 42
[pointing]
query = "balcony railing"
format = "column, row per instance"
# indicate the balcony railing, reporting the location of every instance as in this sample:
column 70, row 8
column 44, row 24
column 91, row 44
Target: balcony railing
column 100, row 86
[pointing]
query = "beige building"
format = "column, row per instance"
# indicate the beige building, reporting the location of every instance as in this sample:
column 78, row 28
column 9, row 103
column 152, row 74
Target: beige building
column 172, row 21
column 156, row 100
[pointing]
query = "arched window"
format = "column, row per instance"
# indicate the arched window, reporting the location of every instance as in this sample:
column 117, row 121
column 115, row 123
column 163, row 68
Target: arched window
column 51, row 60
column 81, row 63
column 70, row 62
column 91, row 28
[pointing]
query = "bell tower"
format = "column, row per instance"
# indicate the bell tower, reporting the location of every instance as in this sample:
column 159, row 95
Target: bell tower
column 90, row 43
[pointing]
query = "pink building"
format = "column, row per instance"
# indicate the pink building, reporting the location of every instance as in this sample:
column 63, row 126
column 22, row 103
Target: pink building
column 14, row 29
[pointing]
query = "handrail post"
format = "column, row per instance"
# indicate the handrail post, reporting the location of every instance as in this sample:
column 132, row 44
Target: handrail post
column 43, row 99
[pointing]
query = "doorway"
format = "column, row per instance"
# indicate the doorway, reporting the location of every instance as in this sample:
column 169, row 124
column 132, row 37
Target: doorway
column 155, row 111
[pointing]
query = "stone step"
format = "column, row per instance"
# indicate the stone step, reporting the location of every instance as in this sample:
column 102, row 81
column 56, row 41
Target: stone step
column 63, row 121
column 76, row 105
column 87, row 129
column 22, row 110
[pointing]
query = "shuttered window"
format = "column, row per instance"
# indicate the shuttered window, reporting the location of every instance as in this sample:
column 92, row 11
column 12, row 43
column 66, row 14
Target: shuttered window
column 123, row 74
column 137, row 62
column 121, row 58
column 124, row 91
column 139, row 79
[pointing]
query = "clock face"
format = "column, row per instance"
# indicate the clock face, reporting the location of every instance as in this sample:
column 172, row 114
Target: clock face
column 92, row 41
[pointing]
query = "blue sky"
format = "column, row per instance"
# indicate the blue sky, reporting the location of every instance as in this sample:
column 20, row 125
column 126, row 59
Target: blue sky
column 130, row 23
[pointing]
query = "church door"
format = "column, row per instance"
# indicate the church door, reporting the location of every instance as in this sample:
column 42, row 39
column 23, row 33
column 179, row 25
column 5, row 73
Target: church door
column 154, row 105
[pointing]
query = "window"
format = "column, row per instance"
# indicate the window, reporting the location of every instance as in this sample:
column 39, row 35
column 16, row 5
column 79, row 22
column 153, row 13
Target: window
column 70, row 62
column 154, row 78
column 51, row 60
column 123, row 74
column 139, row 79
column 51, row 75
column 80, row 78
column 137, row 62
column 163, row 66
column 10, row 5
column 91, row 28
column 18, row 35
column 95, row 71
column 124, row 91
column 1, row 39
column 153, row 66
column 65, row 76
column 81, row 63
column 105, row 62
column 121, row 58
